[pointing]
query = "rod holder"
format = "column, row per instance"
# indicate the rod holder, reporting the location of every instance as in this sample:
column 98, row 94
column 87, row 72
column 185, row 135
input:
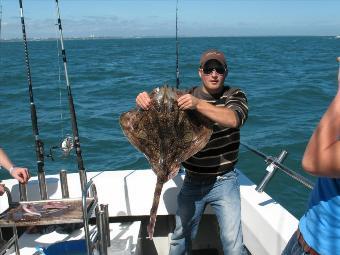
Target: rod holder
column 23, row 191
column 94, row 193
column 42, row 185
column 64, row 184
column 105, row 209
column 102, row 235
column 271, row 169
column 9, row 196
column 83, row 179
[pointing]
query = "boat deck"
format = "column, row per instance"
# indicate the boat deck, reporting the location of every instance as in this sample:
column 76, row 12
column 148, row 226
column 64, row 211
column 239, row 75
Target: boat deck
column 267, row 226
column 124, row 239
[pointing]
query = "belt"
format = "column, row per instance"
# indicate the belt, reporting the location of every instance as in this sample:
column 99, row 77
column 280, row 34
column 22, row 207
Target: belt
column 305, row 247
column 205, row 176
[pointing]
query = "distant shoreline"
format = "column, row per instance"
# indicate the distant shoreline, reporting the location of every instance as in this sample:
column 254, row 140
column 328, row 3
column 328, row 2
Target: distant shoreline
column 158, row 37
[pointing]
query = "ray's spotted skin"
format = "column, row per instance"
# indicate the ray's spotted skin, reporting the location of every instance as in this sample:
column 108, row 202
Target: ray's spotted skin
column 167, row 136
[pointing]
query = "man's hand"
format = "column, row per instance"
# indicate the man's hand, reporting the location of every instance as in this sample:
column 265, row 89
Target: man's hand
column 21, row 174
column 143, row 100
column 187, row 101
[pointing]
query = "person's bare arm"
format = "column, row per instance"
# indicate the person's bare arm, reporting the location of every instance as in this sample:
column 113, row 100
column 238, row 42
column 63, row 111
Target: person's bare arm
column 221, row 115
column 322, row 154
column 19, row 173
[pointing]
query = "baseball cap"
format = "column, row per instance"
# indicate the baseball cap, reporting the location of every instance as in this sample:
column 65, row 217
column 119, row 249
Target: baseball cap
column 213, row 54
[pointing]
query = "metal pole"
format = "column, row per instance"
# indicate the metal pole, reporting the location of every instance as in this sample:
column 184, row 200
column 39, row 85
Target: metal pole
column 271, row 169
column 16, row 242
column 39, row 146
column 23, row 191
column 64, row 184
column 105, row 209
column 102, row 237
column 283, row 168
column 9, row 196
column 86, row 217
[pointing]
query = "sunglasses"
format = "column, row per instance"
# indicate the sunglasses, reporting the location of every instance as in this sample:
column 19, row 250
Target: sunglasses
column 209, row 69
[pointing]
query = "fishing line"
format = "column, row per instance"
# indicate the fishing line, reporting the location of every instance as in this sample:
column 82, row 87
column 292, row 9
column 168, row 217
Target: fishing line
column 66, row 142
column 76, row 142
column 38, row 143
column 0, row 17
column 177, row 48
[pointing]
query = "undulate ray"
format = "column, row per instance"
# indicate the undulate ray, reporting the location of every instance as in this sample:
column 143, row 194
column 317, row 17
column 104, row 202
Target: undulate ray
column 167, row 136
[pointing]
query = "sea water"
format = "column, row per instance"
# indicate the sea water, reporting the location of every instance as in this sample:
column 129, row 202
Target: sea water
column 289, row 82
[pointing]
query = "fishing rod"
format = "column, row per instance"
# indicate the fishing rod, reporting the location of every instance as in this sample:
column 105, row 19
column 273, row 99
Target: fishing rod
column 275, row 163
column 76, row 143
column 39, row 145
column 177, row 48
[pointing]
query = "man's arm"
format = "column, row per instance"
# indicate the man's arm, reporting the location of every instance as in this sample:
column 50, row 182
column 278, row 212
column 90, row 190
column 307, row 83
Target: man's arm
column 19, row 173
column 221, row 115
column 322, row 154
column 224, row 116
column 232, row 115
column 5, row 162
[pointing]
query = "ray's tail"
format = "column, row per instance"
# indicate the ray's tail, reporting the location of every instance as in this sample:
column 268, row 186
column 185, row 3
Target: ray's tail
column 153, row 211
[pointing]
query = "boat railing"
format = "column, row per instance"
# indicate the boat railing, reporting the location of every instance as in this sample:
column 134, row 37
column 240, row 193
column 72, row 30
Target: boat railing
column 101, row 236
column 275, row 163
column 98, row 237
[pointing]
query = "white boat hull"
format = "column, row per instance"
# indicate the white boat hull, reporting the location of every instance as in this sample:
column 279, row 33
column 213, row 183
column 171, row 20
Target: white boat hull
column 267, row 226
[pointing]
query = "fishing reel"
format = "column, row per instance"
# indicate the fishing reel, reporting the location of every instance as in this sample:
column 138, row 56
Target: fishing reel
column 66, row 146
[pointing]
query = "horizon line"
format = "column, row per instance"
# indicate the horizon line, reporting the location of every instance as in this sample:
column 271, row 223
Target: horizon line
column 155, row 37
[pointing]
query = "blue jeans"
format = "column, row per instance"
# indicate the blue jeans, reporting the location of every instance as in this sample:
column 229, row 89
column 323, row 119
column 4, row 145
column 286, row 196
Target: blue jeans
column 293, row 247
column 223, row 194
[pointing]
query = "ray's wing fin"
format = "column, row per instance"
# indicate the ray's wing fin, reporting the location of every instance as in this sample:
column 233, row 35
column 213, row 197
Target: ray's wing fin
column 134, row 124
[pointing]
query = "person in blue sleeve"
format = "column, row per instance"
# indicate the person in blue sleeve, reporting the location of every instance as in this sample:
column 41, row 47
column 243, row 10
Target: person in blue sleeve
column 319, row 227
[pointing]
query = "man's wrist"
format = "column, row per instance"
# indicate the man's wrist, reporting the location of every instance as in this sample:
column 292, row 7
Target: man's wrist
column 199, row 104
column 12, row 168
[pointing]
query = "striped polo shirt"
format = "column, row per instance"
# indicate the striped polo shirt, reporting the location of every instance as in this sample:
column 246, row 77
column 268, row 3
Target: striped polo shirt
column 221, row 152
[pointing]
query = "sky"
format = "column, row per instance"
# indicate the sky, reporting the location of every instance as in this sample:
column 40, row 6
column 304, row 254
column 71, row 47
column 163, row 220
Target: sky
column 156, row 18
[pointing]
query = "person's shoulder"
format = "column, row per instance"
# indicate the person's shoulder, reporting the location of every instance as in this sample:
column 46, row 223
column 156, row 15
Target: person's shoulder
column 229, row 87
column 195, row 90
column 233, row 91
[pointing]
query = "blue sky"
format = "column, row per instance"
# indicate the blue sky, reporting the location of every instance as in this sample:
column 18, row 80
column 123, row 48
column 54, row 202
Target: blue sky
column 138, row 18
